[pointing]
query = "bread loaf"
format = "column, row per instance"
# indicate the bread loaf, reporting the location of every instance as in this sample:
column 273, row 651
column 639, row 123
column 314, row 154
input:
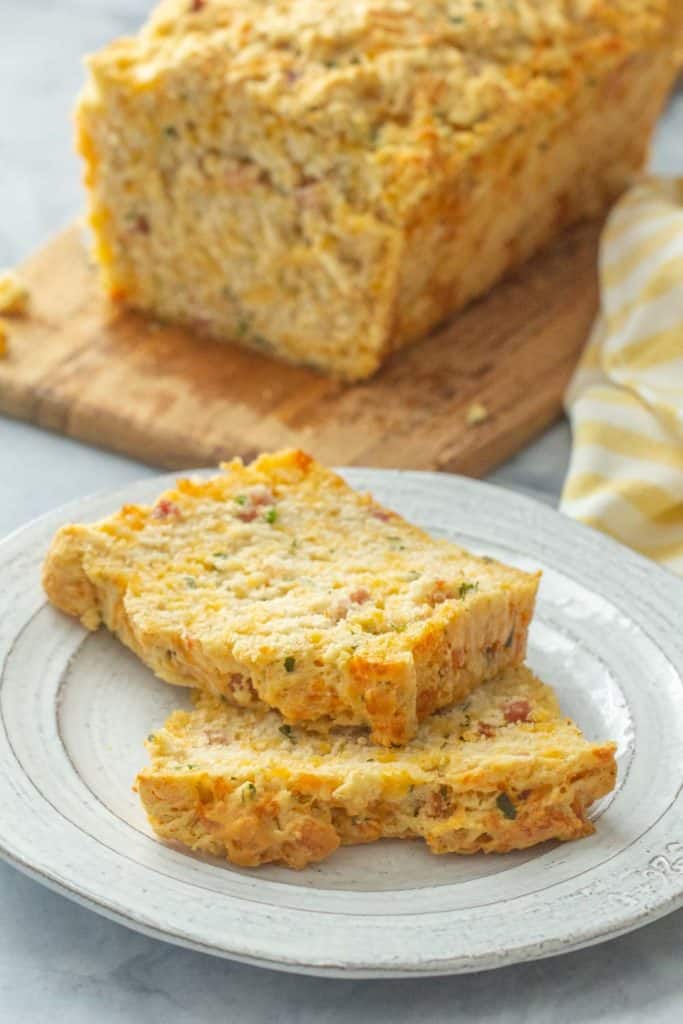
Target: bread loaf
column 326, row 181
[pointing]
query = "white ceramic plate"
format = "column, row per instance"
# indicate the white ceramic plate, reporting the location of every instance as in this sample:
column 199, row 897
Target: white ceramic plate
column 75, row 709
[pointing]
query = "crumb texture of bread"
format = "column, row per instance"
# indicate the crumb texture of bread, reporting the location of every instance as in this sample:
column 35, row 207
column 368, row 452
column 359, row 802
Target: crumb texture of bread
column 277, row 582
column 502, row 772
column 327, row 181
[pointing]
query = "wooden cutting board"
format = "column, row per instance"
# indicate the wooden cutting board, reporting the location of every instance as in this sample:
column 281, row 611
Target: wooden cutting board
column 162, row 395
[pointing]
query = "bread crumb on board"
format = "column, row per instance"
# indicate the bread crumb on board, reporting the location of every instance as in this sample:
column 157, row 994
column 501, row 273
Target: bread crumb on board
column 14, row 295
column 476, row 414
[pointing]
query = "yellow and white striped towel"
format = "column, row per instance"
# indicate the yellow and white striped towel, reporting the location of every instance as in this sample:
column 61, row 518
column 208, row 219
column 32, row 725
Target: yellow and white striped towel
column 625, row 401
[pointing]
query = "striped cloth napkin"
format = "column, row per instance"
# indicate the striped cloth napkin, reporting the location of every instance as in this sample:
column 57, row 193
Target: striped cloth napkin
column 625, row 401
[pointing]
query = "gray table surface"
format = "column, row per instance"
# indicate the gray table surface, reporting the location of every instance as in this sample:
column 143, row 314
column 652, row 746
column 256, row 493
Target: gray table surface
column 61, row 962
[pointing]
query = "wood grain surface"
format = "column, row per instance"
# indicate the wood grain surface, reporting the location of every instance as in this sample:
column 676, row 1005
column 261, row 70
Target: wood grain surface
column 79, row 366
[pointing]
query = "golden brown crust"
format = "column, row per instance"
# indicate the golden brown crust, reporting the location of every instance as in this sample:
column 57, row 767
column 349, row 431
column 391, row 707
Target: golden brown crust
column 65, row 581
column 544, row 178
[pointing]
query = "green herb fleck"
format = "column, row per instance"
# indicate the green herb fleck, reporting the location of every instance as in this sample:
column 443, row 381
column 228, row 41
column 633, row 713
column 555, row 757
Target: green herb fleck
column 219, row 554
column 413, row 575
column 241, row 499
column 506, row 806
column 457, row 19
column 151, row 737
column 170, row 131
column 271, row 515
column 260, row 342
column 290, row 664
column 286, row 730
column 294, row 545
column 190, row 582
column 466, row 587
column 191, row 767
column 248, row 792
column 242, row 326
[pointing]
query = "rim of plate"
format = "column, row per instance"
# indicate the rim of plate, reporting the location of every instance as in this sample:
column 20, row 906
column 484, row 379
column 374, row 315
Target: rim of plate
column 651, row 884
